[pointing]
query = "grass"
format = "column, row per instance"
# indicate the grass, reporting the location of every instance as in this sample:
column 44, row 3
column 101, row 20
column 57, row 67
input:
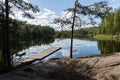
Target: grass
column 106, row 37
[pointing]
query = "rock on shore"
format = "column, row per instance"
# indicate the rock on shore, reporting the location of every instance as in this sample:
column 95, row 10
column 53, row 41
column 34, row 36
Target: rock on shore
column 85, row 68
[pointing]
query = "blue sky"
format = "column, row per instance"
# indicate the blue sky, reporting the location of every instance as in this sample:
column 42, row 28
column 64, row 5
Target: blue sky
column 51, row 9
column 59, row 5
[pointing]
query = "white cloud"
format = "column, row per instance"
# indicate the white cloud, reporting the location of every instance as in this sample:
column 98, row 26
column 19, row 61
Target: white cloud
column 46, row 14
column 25, row 0
column 112, row 0
column 43, row 18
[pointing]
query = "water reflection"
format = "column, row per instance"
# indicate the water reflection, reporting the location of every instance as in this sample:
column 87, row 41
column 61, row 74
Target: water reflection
column 108, row 46
column 24, row 49
column 80, row 48
column 86, row 48
column 19, row 46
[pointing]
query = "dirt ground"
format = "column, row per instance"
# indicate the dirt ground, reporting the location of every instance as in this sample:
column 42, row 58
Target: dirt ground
column 85, row 68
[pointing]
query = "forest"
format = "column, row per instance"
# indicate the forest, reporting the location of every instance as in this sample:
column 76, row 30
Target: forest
column 21, row 31
column 110, row 25
column 15, row 33
column 23, row 35
column 79, row 33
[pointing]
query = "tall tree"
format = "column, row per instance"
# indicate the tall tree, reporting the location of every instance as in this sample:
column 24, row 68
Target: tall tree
column 6, row 48
column 111, row 24
column 5, row 8
column 117, row 21
column 96, row 10
column 73, row 23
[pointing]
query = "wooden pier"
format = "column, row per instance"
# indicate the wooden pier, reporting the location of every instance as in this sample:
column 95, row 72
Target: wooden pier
column 42, row 55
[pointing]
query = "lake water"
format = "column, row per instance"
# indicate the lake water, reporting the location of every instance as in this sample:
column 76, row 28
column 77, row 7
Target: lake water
column 80, row 48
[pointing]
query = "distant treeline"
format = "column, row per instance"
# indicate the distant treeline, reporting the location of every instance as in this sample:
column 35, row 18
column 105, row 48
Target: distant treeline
column 22, row 31
column 80, row 33
column 22, row 34
column 111, row 24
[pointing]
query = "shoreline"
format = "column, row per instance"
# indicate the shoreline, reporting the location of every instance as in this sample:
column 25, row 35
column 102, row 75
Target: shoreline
column 97, row 67
column 107, row 37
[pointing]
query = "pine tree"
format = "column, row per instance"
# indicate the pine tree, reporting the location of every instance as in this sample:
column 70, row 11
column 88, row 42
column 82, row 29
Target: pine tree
column 5, row 9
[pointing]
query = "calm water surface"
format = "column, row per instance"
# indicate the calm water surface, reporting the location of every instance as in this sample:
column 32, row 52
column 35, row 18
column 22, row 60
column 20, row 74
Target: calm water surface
column 80, row 48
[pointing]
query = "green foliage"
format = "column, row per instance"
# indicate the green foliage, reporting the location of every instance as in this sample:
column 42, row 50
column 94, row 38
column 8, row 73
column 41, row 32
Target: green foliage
column 111, row 24
column 98, row 9
column 80, row 33
column 35, row 32
column 85, row 32
column 108, row 46
column 6, row 8
column 117, row 22
column 62, row 34
column 22, row 5
column 105, row 37
column 21, row 32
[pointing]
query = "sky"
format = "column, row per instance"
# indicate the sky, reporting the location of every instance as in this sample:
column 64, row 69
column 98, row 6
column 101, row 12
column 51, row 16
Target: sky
column 51, row 9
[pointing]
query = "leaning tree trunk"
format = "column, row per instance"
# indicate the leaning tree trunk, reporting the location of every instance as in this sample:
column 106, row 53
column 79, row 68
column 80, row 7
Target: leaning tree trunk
column 71, row 47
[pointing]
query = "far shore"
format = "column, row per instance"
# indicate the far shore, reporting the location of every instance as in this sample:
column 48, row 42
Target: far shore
column 107, row 37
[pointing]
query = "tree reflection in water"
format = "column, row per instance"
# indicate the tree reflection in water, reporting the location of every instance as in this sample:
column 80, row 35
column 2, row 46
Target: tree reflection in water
column 18, row 45
column 108, row 46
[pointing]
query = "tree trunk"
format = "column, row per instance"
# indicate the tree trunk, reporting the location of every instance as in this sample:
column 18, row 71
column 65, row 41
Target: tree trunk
column 71, row 47
column 6, row 43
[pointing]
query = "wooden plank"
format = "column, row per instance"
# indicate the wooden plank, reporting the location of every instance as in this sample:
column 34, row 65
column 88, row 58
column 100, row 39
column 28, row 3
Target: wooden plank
column 42, row 55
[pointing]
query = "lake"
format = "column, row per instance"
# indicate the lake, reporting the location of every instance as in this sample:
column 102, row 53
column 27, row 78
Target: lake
column 80, row 48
